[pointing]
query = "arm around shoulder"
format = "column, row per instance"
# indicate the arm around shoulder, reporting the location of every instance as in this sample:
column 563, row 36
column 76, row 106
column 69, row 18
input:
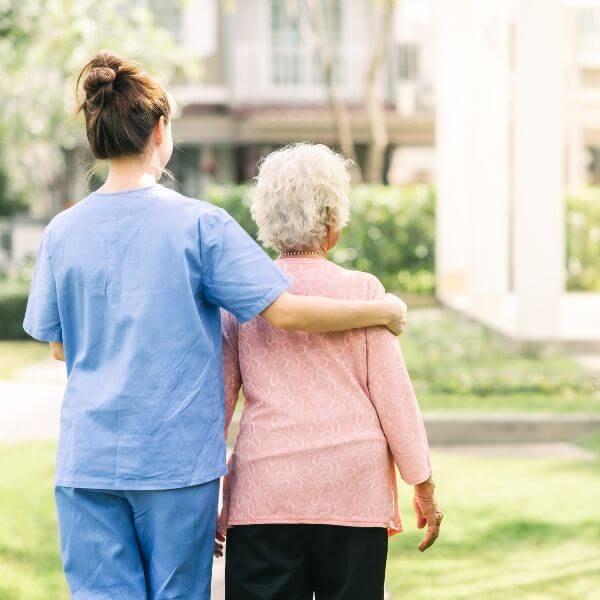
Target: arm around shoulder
column 323, row 315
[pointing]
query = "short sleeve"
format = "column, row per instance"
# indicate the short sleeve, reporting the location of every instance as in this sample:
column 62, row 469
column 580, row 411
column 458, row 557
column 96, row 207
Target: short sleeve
column 236, row 273
column 42, row 320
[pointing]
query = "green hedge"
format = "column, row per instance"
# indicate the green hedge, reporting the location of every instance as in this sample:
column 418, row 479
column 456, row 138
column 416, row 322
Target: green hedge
column 391, row 232
column 583, row 241
column 13, row 300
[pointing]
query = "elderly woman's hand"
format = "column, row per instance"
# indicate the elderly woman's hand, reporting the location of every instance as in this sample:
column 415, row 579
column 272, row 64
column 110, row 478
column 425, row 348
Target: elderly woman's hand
column 428, row 512
column 219, row 545
column 399, row 313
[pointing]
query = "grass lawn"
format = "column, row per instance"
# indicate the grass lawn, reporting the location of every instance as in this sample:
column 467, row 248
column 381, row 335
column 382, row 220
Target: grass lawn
column 29, row 561
column 591, row 442
column 18, row 354
column 526, row 529
column 460, row 365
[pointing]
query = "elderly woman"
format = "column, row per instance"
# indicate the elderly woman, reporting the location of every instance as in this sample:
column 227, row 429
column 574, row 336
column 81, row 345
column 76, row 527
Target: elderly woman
column 311, row 495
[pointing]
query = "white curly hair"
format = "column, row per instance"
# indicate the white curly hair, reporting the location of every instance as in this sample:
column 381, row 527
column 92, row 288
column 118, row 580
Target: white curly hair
column 300, row 189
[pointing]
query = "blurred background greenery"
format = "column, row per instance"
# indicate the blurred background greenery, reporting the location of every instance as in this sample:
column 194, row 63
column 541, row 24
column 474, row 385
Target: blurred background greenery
column 391, row 233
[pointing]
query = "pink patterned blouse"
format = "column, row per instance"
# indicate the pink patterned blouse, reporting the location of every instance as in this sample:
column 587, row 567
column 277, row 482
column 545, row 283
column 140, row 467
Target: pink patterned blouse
column 325, row 416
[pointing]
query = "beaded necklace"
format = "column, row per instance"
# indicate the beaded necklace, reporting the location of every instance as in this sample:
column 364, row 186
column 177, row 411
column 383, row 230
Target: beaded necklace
column 320, row 254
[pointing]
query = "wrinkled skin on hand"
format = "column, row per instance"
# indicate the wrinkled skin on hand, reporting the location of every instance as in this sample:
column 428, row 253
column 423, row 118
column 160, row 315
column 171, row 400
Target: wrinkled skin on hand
column 428, row 513
column 219, row 545
column 397, row 327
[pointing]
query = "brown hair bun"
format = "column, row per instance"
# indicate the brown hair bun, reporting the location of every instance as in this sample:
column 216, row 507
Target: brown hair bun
column 100, row 73
column 121, row 105
column 100, row 76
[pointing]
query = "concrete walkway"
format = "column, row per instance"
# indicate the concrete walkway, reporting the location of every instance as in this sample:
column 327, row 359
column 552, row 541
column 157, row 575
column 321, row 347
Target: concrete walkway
column 30, row 403
column 558, row 450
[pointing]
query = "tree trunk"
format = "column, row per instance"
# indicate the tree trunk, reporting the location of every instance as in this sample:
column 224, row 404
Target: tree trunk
column 338, row 110
column 374, row 103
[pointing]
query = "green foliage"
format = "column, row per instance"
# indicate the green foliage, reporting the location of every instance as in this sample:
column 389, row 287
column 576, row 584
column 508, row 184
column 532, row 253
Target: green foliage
column 390, row 234
column 11, row 201
column 456, row 364
column 583, row 241
column 44, row 44
column 13, row 300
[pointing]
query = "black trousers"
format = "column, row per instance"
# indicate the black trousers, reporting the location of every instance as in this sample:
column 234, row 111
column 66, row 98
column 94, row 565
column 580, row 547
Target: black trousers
column 291, row 562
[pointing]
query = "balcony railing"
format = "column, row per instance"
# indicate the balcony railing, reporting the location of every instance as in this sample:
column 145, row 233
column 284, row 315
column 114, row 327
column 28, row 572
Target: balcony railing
column 292, row 74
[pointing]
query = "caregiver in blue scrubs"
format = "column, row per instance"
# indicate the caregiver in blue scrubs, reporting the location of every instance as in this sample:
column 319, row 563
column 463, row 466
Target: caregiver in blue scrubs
column 127, row 290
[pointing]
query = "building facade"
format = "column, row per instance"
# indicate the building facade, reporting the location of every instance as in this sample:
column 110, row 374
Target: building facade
column 264, row 85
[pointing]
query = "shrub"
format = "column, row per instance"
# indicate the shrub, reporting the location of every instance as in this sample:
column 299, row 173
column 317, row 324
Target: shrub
column 13, row 300
column 391, row 232
column 583, row 241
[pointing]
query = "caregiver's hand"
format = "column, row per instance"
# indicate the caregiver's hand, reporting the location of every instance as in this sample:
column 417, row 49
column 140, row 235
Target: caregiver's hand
column 322, row 315
column 399, row 311
column 428, row 512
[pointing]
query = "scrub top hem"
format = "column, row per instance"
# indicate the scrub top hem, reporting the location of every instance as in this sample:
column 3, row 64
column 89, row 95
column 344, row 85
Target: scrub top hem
column 42, row 335
column 149, row 485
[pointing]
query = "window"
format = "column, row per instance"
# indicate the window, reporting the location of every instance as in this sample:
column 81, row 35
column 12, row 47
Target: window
column 293, row 62
column 285, row 28
column 408, row 62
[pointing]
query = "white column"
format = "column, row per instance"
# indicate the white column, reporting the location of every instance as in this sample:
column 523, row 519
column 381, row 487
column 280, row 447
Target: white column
column 538, row 197
column 575, row 147
column 199, row 26
column 490, row 168
column 454, row 144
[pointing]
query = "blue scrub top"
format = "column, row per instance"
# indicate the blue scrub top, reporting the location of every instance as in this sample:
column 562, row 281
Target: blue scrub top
column 131, row 283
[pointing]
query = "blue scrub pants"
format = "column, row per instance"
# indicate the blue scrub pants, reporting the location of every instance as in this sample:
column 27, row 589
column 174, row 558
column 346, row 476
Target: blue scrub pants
column 138, row 545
